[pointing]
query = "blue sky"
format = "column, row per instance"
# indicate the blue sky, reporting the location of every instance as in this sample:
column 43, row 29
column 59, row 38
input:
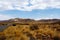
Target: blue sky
column 33, row 9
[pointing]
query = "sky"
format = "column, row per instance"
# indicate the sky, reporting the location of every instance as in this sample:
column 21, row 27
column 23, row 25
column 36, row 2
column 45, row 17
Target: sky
column 32, row 9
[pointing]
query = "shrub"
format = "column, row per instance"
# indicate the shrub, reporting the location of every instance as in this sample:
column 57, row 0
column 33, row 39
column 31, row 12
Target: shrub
column 56, row 38
column 14, row 24
column 34, row 27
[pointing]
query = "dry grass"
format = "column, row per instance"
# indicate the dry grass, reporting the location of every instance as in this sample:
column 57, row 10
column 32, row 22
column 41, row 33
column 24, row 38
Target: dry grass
column 31, row 32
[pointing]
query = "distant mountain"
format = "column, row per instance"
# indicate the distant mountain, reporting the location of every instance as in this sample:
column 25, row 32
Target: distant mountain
column 21, row 20
column 31, row 20
column 49, row 20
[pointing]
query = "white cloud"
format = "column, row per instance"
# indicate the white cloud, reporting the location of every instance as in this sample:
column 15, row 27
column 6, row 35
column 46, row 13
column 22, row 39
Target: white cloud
column 5, row 17
column 23, row 4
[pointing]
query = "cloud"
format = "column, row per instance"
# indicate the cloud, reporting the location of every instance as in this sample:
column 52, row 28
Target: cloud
column 28, row 5
column 5, row 17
